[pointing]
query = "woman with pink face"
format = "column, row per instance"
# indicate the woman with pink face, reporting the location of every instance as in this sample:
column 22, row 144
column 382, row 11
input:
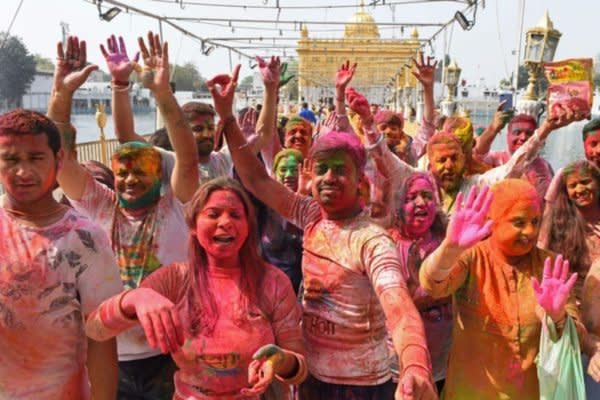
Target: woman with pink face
column 571, row 225
column 419, row 228
column 230, row 321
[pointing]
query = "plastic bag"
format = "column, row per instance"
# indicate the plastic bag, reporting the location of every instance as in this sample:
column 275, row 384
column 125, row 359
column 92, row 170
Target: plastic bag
column 570, row 85
column 559, row 368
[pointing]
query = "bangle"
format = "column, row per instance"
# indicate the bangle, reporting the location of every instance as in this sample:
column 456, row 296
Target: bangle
column 342, row 100
column 373, row 145
column 120, row 83
column 119, row 88
column 341, row 115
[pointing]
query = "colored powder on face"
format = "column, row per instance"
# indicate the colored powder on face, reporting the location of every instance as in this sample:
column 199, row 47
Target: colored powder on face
column 508, row 194
column 462, row 129
column 298, row 121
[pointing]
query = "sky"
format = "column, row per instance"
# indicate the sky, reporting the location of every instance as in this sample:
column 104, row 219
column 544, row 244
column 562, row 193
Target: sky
column 486, row 52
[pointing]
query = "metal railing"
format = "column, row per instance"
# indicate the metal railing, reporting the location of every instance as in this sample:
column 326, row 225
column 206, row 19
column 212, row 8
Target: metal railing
column 93, row 150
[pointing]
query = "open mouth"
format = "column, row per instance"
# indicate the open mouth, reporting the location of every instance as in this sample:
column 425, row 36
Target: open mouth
column 223, row 239
column 420, row 213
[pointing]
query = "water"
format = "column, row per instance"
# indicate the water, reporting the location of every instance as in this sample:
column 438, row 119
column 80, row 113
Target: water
column 88, row 131
column 562, row 147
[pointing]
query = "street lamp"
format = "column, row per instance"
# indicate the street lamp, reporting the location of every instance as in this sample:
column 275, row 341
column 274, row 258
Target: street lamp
column 541, row 43
column 452, row 74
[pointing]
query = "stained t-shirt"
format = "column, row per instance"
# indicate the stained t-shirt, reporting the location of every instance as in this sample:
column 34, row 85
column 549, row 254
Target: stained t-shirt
column 216, row 366
column 346, row 265
column 142, row 244
column 51, row 278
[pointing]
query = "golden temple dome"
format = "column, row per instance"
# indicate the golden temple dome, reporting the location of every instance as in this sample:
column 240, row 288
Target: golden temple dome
column 361, row 25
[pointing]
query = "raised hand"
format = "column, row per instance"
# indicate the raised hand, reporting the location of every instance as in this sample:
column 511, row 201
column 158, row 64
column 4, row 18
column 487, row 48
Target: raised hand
column 344, row 76
column 552, row 294
column 468, row 222
column 284, row 77
column 117, row 60
column 159, row 318
column 248, row 123
column 270, row 71
column 222, row 89
column 425, row 71
column 155, row 74
column 71, row 68
column 415, row 387
column 263, row 368
column 501, row 117
column 358, row 103
column 305, row 176
column 562, row 115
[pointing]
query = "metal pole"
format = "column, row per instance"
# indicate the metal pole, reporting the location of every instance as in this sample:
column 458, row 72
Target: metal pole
column 519, row 46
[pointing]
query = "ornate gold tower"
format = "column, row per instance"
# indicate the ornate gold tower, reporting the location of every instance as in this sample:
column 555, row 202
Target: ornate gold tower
column 380, row 61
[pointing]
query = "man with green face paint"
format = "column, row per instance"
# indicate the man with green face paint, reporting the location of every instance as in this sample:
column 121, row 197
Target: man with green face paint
column 144, row 215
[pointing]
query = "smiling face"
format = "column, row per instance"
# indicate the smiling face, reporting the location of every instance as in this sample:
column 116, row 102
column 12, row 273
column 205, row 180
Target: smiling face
column 419, row 207
column 518, row 134
column 592, row 147
column 28, row 167
column 137, row 178
column 286, row 172
column 203, row 127
column 335, row 183
column 447, row 164
column 582, row 188
column 222, row 226
column 516, row 232
column 299, row 137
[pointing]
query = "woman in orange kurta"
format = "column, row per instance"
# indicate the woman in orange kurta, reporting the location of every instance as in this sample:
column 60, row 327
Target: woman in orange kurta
column 494, row 282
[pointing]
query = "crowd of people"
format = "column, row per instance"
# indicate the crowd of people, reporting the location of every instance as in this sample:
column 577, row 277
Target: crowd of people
column 233, row 256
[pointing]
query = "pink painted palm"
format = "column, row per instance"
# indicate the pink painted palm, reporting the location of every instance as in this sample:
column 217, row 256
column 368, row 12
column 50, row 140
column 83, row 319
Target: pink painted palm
column 468, row 224
column 553, row 293
column 117, row 60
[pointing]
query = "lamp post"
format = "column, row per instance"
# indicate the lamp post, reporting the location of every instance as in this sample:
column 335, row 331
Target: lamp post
column 540, row 46
column 452, row 77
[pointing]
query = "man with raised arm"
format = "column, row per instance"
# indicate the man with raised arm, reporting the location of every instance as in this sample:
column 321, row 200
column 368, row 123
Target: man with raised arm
column 353, row 281
column 144, row 215
column 213, row 157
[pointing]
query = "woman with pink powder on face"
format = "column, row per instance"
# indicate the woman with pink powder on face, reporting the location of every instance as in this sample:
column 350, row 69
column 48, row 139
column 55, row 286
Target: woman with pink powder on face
column 230, row 321
column 418, row 229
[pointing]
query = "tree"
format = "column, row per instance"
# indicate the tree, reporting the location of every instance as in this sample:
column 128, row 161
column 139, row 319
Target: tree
column 17, row 70
column 187, row 77
column 43, row 63
column 247, row 83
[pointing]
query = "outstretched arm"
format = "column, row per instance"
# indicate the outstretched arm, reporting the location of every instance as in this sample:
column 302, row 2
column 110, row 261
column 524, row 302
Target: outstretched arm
column 425, row 73
column 120, row 68
column 70, row 73
column 342, row 78
column 441, row 274
column 266, row 124
column 252, row 173
column 155, row 77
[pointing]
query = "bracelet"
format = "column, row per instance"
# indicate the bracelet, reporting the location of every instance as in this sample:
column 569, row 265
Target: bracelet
column 119, row 83
column 342, row 100
column 341, row 115
column 117, row 88
column 374, row 145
